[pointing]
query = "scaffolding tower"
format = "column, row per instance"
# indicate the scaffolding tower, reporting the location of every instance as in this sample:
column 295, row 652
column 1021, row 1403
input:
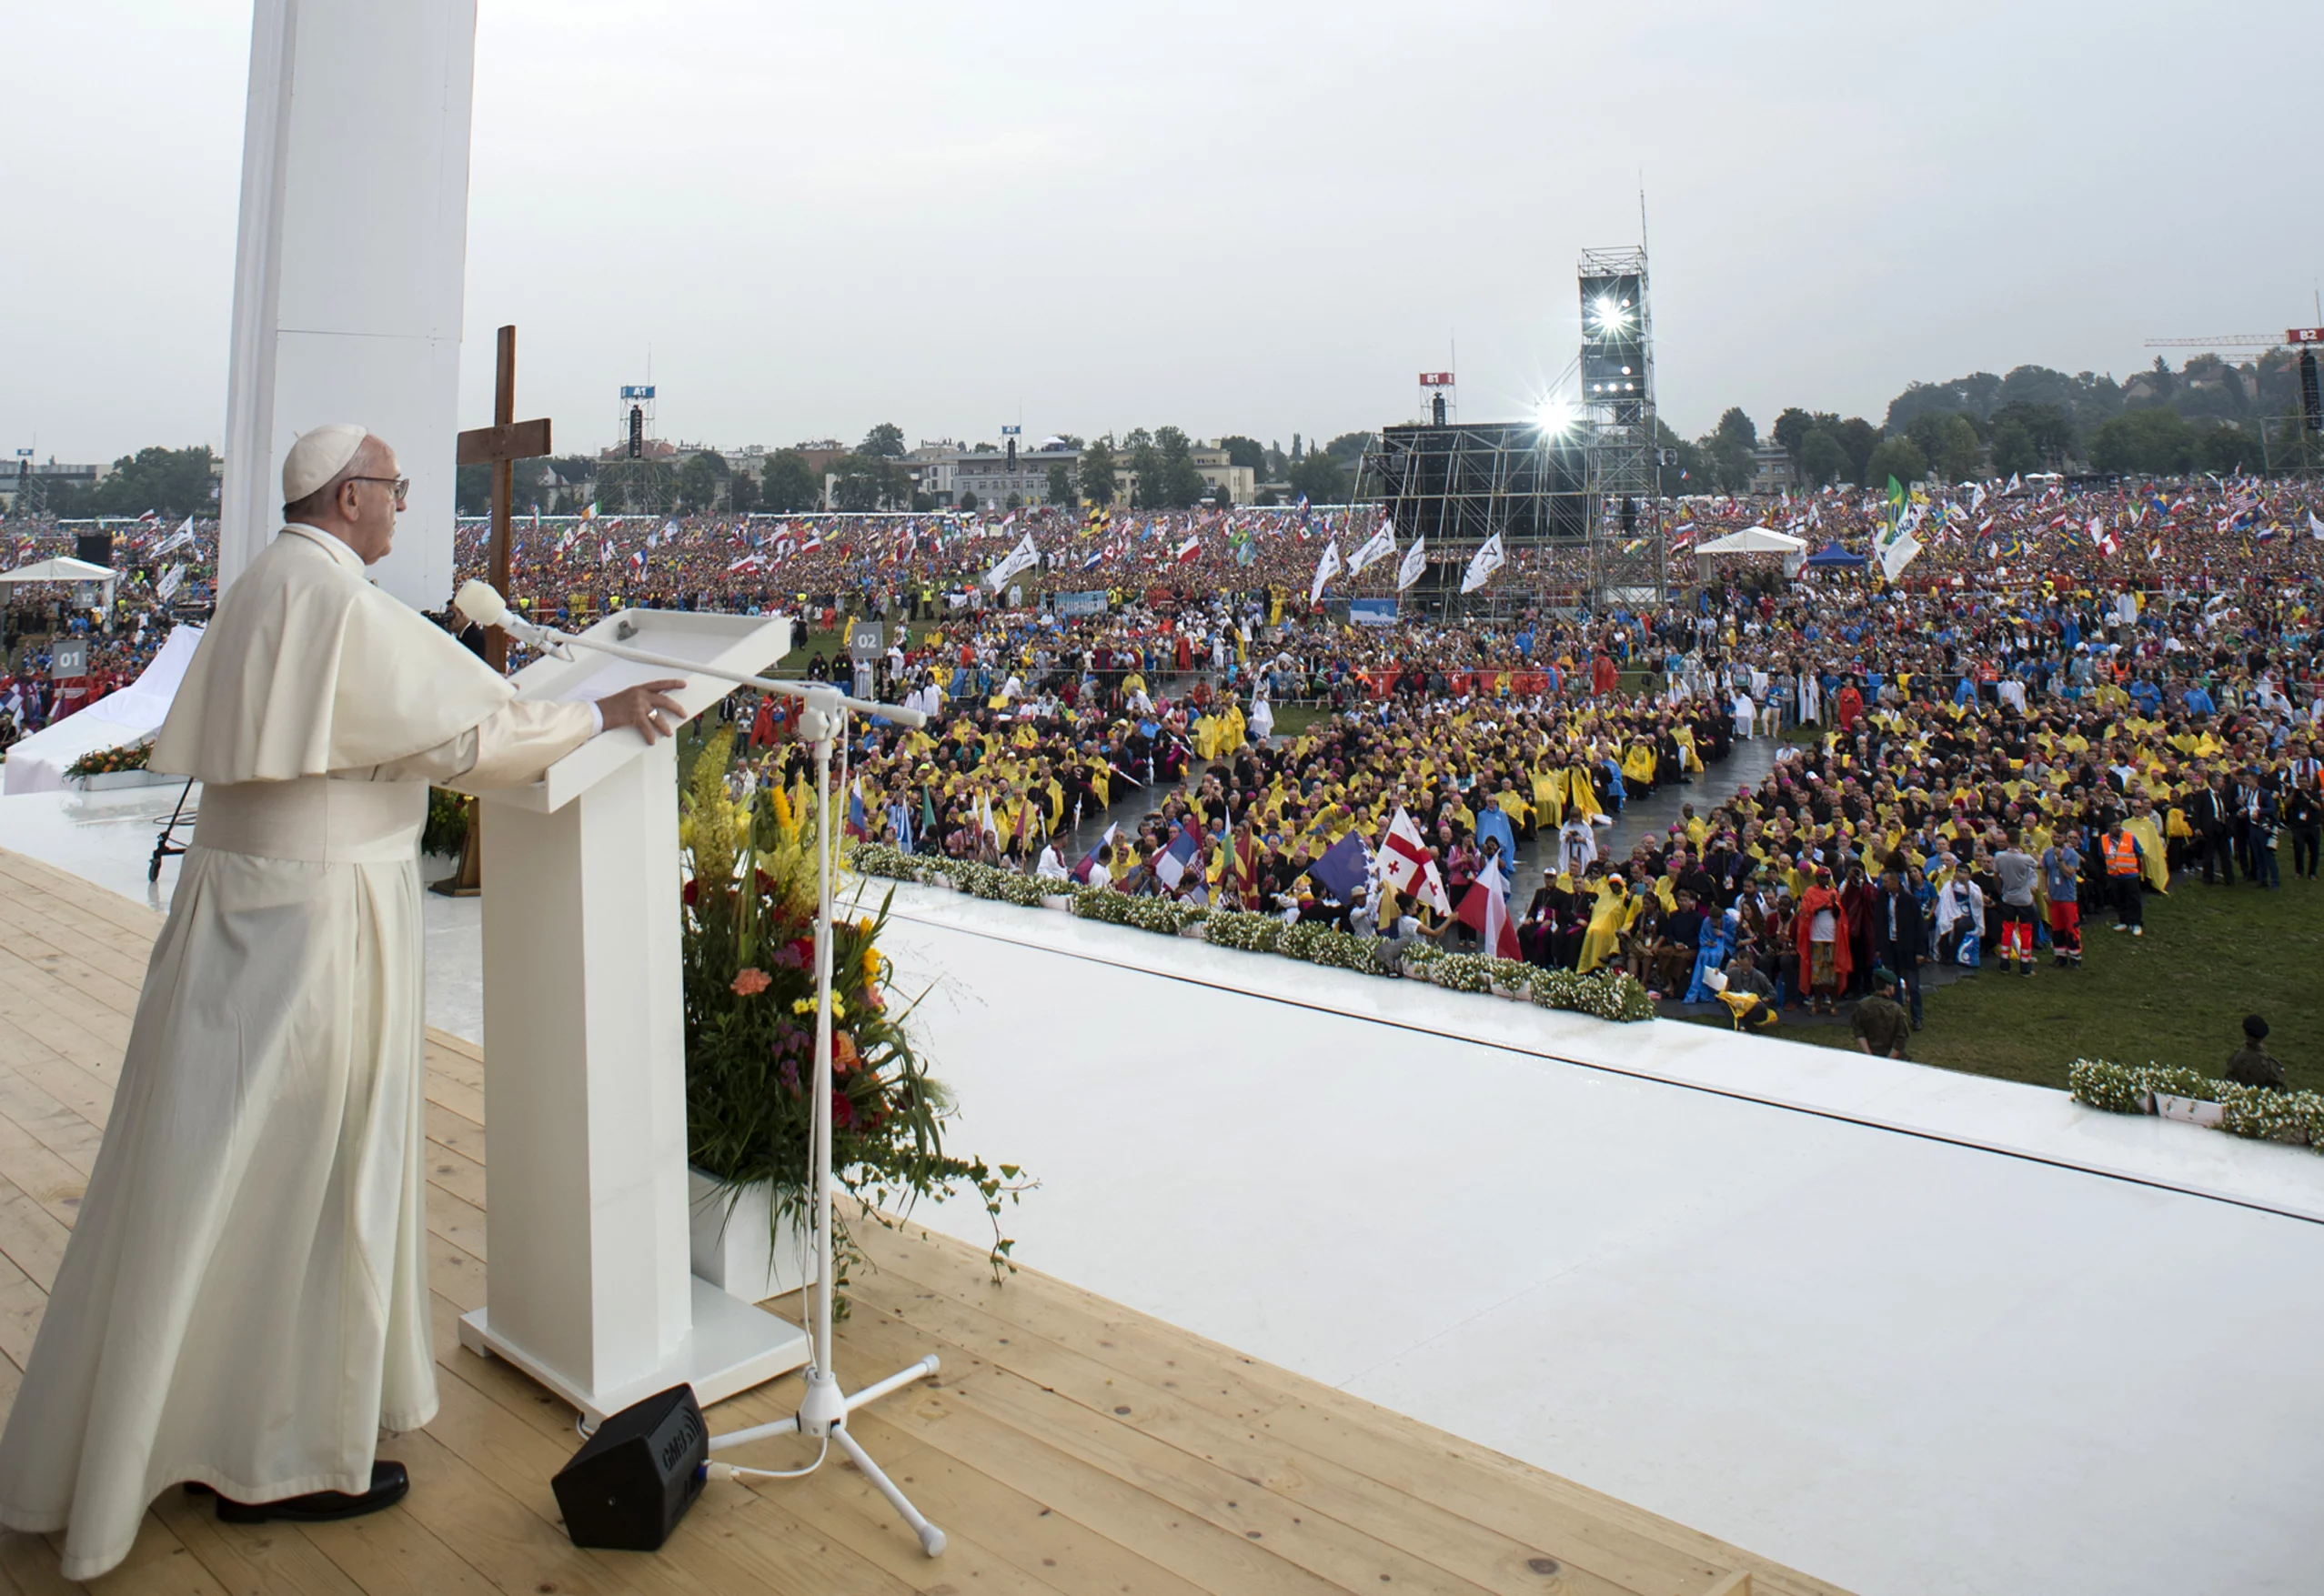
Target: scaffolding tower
column 1628, row 540
column 1457, row 485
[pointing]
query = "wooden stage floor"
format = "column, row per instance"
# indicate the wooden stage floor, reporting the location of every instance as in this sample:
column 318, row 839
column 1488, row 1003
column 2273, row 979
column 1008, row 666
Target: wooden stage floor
column 1069, row 1444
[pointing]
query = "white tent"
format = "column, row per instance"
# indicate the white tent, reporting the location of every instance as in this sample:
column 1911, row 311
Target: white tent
column 37, row 763
column 1755, row 540
column 62, row 568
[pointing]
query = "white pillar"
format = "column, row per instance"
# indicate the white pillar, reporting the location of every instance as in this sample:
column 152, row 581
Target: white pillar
column 349, row 264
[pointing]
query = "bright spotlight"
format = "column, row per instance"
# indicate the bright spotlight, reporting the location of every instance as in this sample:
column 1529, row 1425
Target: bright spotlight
column 1611, row 317
column 1556, row 415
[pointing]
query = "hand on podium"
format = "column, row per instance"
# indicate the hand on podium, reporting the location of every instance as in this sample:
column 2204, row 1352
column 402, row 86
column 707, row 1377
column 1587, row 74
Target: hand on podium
column 643, row 707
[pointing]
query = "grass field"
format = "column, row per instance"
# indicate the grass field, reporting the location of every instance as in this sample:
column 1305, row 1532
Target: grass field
column 2176, row 996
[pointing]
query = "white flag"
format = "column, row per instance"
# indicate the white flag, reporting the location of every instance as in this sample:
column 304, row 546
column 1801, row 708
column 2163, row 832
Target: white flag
column 1379, row 546
column 1325, row 570
column 1897, row 553
column 170, row 578
column 1017, row 559
column 1487, row 559
column 2315, row 527
column 183, row 535
column 1414, row 563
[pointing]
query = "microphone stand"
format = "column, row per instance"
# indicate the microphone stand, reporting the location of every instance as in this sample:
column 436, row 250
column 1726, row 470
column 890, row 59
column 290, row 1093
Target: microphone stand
column 823, row 1408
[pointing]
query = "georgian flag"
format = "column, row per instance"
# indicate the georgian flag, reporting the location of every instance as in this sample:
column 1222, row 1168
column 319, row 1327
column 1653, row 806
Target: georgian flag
column 1404, row 865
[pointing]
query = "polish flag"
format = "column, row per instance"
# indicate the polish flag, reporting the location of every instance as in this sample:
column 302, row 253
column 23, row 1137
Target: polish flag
column 1486, row 908
column 1189, row 549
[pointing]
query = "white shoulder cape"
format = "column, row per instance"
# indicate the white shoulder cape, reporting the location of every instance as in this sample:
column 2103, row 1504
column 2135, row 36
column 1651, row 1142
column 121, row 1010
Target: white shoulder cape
column 308, row 668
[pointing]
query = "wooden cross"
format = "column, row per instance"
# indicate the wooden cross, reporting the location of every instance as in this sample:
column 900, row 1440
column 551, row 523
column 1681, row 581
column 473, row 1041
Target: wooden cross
column 500, row 445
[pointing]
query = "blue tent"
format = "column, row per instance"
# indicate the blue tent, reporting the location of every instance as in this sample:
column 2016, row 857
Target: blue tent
column 1833, row 556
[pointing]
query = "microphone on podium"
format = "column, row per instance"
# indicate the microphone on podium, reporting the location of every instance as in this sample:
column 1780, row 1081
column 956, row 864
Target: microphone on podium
column 481, row 603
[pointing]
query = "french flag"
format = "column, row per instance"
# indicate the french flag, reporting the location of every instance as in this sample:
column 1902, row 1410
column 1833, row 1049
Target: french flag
column 1171, row 866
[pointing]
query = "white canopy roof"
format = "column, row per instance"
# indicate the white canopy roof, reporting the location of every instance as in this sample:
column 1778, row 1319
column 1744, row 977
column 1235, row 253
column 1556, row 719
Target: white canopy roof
column 62, row 568
column 1753, row 541
column 36, row 763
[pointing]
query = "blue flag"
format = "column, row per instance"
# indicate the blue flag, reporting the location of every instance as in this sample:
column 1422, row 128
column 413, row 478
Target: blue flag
column 1342, row 868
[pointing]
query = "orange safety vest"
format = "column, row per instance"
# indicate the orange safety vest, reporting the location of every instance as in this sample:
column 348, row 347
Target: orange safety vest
column 2121, row 854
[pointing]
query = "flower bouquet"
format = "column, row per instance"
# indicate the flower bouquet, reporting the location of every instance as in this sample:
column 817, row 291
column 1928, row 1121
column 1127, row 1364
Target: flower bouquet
column 748, row 971
column 117, row 761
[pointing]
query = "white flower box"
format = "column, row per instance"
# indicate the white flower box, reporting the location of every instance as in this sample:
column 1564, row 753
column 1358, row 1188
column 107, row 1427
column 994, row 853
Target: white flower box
column 113, row 779
column 2192, row 1110
column 1058, row 900
column 1198, row 932
column 730, row 1243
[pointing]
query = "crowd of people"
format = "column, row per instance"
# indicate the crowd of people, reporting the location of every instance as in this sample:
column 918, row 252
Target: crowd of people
column 2069, row 700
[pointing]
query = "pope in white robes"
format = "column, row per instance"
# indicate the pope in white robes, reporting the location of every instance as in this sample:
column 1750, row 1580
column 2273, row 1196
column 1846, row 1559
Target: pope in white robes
column 244, row 1304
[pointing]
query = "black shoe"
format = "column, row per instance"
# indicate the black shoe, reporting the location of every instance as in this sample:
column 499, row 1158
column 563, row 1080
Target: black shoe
column 388, row 1485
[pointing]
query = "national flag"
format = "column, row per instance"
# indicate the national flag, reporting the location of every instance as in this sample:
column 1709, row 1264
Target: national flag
column 855, row 827
column 604, row 555
column 589, row 514
column 1415, row 561
column 1090, row 859
column 1188, row 549
column 1896, row 501
column 1346, row 865
column 1090, row 561
column 1170, row 864
column 812, row 541
column 1405, row 865
column 150, row 518
column 638, row 560
column 1487, row 559
column 2315, row 527
column 1326, row 569
column 1486, row 909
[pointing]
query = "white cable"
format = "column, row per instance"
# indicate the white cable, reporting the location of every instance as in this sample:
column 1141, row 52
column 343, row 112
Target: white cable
column 737, row 1471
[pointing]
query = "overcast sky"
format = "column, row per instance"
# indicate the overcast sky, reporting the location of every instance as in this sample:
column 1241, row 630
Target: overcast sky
column 1258, row 218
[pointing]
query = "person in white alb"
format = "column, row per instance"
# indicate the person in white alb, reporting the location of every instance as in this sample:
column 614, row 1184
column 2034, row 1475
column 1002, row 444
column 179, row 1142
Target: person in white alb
column 244, row 1304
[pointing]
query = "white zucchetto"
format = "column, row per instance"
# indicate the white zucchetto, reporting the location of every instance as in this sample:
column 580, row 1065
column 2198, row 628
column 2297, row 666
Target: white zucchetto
column 318, row 456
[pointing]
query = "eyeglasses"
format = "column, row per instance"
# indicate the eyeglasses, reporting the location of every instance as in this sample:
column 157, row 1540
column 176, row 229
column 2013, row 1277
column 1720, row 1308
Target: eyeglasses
column 402, row 485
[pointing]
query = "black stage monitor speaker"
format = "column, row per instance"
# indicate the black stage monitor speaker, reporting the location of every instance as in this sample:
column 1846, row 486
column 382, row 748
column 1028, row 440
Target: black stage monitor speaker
column 628, row 1487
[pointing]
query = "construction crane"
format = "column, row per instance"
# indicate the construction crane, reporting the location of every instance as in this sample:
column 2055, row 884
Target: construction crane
column 2224, row 341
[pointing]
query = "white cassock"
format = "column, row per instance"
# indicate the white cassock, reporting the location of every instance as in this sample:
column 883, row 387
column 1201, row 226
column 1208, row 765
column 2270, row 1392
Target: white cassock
column 244, row 1302
column 1262, row 720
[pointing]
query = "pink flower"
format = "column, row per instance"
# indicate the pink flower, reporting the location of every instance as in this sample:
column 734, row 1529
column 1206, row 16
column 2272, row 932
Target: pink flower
column 751, row 982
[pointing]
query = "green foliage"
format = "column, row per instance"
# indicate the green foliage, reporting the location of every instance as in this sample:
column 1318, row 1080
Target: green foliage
column 168, row 482
column 2148, row 439
column 1252, row 933
column 868, row 482
column 1736, row 427
column 1791, row 430
column 472, row 490
column 1060, row 482
column 1896, row 458
column 2261, row 1113
column 1097, row 479
column 446, row 831
column 699, row 481
column 112, row 762
column 1822, row 459
column 1319, row 476
column 1246, row 451
column 786, row 483
column 885, row 441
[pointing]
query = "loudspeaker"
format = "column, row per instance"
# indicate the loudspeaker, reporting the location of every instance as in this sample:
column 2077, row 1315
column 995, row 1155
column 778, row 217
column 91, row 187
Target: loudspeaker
column 628, row 1487
column 2311, row 403
column 96, row 548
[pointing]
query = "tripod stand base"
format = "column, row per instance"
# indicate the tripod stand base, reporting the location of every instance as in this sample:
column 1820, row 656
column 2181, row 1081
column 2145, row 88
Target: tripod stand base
column 816, row 1417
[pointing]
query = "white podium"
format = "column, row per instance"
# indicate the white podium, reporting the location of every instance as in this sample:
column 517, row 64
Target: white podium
column 587, row 1286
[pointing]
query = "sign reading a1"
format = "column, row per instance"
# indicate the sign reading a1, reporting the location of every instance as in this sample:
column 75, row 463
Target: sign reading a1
column 644, row 391
column 1011, row 431
column 23, row 453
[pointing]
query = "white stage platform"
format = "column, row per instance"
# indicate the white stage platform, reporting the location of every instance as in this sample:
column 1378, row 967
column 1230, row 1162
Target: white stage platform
column 1910, row 1331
